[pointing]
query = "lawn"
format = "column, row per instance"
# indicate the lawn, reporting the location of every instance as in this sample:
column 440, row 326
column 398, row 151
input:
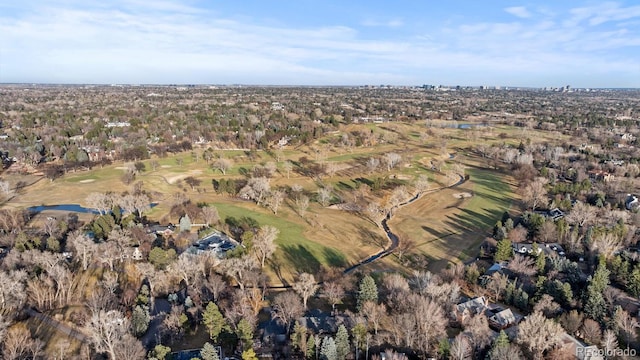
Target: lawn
column 447, row 228
column 331, row 240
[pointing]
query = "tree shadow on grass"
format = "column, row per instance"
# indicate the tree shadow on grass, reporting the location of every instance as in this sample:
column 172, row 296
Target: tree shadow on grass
column 302, row 259
column 276, row 264
column 334, row 258
column 372, row 238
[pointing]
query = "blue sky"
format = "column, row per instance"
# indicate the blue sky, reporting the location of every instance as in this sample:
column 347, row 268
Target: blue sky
column 304, row 42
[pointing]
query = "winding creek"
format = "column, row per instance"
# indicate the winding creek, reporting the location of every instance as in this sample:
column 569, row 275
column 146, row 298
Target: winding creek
column 393, row 238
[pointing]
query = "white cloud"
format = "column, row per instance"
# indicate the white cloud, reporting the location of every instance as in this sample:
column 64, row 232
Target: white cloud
column 518, row 11
column 393, row 23
column 172, row 42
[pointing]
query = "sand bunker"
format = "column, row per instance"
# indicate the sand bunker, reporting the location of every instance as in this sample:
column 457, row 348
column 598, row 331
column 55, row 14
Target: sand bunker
column 463, row 195
column 87, row 181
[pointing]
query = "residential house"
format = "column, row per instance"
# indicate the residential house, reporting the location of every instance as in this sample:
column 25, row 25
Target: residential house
column 555, row 214
column 583, row 352
column 601, row 175
column 320, row 322
column 627, row 137
column 164, row 230
column 137, row 254
column 502, row 319
column 632, row 203
column 470, row 308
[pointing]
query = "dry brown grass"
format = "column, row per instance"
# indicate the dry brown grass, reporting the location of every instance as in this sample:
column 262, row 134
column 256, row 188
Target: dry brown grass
column 446, row 228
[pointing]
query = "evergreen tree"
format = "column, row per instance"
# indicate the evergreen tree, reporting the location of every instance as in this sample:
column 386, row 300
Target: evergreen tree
column 140, row 320
column 359, row 333
column 541, row 287
column 209, row 352
column 510, row 292
column 472, row 274
column 244, row 332
column 342, row 342
column 185, row 223
column 508, row 224
column 368, row 291
column 328, row 350
column 159, row 352
column 299, row 338
column 633, row 285
column 595, row 306
column 502, row 341
column 496, row 227
column 213, row 320
column 249, row 354
column 444, row 348
column 541, row 259
column 521, row 300
column 311, row 347
column 504, row 250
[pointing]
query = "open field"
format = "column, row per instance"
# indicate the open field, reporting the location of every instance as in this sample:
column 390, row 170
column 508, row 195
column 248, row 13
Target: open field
column 445, row 226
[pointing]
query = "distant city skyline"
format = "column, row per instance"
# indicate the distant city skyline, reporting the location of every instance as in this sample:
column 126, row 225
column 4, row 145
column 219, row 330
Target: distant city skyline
column 584, row 44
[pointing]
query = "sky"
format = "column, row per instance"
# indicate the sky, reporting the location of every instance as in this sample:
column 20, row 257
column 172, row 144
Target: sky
column 540, row 43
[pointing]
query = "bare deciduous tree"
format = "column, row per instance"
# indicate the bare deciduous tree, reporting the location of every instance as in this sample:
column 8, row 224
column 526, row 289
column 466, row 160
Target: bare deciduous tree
column 306, row 286
column 497, row 284
column 264, row 243
column 398, row 196
column 239, row 268
column 405, row 246
column 374, row 313
column 539, row 334
column 571, row 321
column 591, row 331
column 257, row 189
column 13, row 290
column 324, row 195
column 522, row 265
column 83, row 246
column 548, row 232
column 461, row 348
column 287, row 307
column 508, row 352
column 18, row 344
column 210, row 215
column 392, row 160
column 334, row 293
column 609, row 341
column 372, row 165
column 517, row 234
column 222, row 164
column 626, row 324
column 535, row 193
column 421, row 184
column 581, row 214
column 287, row 166
column 188, row 268
column 547, row 306
column 302, row 204
column 605, row 244
column 274, row 200
column 99, row 201
column 477, row 330
column 107, row 330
